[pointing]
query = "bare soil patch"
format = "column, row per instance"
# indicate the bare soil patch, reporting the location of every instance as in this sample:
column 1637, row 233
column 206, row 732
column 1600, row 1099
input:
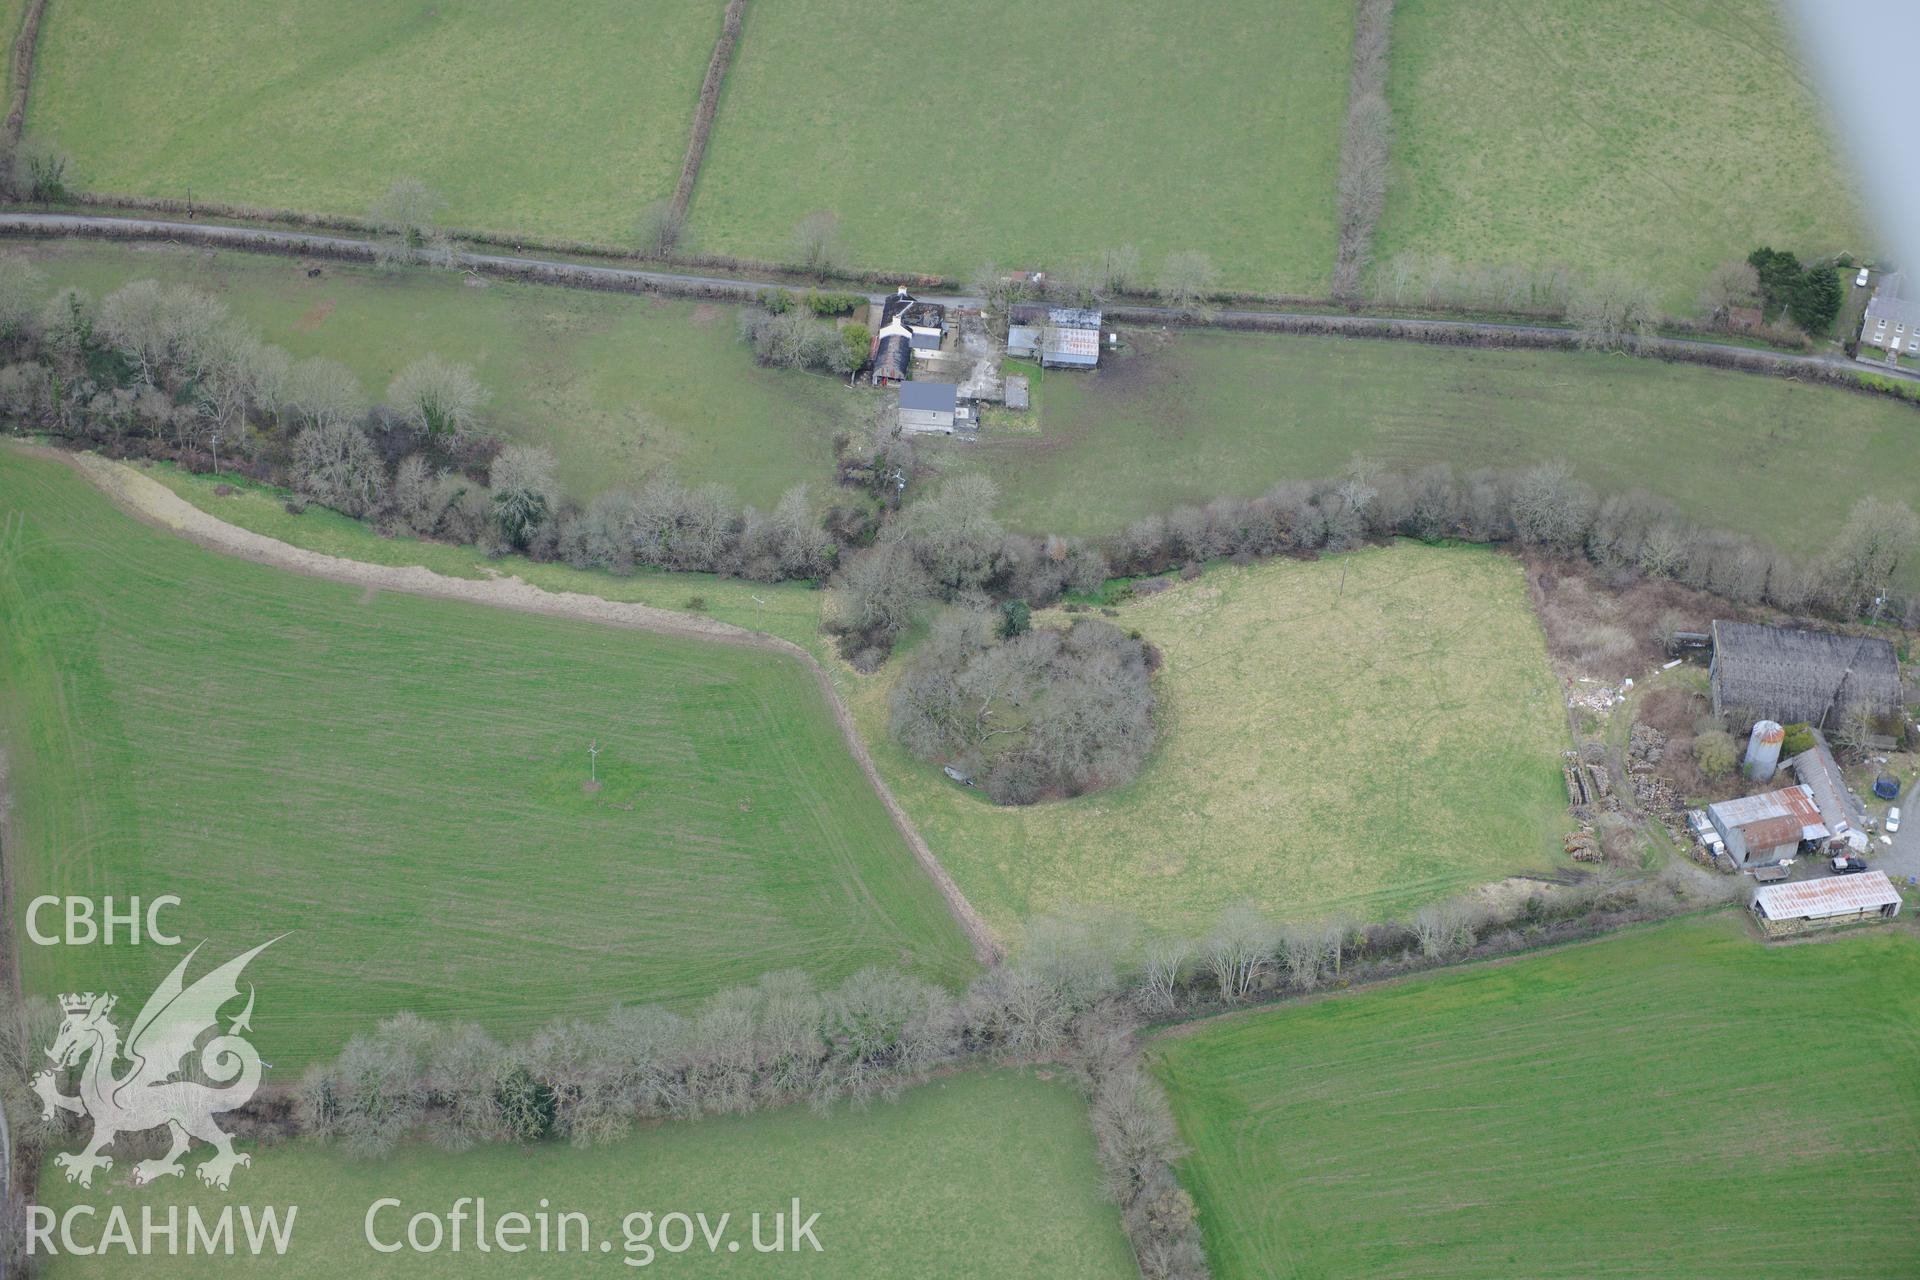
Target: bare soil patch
column 314, row 316
column 1609, row 629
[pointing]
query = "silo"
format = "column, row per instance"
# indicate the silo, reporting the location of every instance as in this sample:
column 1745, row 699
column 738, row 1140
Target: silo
column 1763, row 750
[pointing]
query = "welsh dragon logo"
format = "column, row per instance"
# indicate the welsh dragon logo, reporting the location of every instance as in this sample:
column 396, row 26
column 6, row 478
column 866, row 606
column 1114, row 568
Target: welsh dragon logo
column 157, row 1088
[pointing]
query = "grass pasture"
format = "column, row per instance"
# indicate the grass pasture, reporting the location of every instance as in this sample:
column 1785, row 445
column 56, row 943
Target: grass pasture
column 1658, row 138
column 398, row 782
column 1033, row 135
column 1365, row 732
column 1207, row 414
column 1677, row 1101
column 562, row 121
column 618, row 385
column 978, row 1174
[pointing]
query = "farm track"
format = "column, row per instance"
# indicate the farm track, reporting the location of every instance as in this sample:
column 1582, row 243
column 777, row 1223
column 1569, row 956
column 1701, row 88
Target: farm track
column 153, row 503
column 575, row 275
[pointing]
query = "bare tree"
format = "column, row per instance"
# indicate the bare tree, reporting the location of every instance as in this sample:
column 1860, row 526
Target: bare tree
column 658, row 229
column 1187, row 281
column 337, row 466
column 1239, row 951
column 1162, row 968
column 22, row 293
column 320, row 391
column 437, row 397
column 407, row 216
column 954, row 531
column 1880, row 535
column 1613, row 310
column 880, row 588
column 1550, row 508
column 1363, row 147
column 816, row 243
column 1730, row 285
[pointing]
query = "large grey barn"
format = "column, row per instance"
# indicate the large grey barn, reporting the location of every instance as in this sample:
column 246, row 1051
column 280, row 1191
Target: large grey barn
column 1783, row 674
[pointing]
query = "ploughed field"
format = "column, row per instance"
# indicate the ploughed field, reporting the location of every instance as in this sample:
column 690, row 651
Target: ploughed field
column 1675, row 1101
column 396, row 784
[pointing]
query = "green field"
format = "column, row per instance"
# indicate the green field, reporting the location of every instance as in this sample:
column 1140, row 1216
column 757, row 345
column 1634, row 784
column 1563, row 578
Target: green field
column 1658, row 138
column 1211, row 414
column 1033, row 135
column 1366, row 732
column 789, row 610
column 617, row 385
column 398, row 782
column 556, row 120
column 1678, row 1101
column 979, row 1174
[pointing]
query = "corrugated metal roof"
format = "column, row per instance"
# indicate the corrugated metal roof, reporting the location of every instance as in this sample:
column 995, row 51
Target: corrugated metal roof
column 1771, row 833
column 1828, row 896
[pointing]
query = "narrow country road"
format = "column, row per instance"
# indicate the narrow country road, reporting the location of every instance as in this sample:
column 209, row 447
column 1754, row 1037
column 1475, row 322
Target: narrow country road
column 636, row 280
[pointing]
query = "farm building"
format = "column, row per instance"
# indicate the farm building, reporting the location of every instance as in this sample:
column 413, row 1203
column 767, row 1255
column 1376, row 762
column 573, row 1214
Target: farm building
column 925, row 345
column 1893, row 317
column 1767, row 829
column 1826, row 903
column 1063, row 337
column 1820, row 775
column 928, row 408
column 1788, row 675
column 893, row 340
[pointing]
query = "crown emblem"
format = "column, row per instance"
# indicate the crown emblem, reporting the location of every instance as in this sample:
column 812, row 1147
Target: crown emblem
column 83, row 1003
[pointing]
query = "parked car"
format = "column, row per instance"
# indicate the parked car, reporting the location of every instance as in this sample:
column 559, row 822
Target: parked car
column 1893, row 819
column 1860, row 281
column 1849, row 864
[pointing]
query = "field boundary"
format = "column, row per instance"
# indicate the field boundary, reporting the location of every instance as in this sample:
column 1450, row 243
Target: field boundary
column 151, row 502
column 1365, row 146
column 1180, row 1028
column 1833, row 371
column 24, row 46
column 703, row 115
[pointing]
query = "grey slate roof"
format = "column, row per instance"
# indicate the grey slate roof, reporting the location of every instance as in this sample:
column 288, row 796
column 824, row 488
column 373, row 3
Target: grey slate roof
column 933, row 397
column 1789, row 675
column 1895, row 302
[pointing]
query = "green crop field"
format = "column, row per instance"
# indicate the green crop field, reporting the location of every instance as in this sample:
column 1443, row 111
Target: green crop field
column 1211, row 414
column 1679, row 1101
column 619, row 386
column 1657, row 138
column 558, row 120
column 1033, row 135
column 978, row 1174
column 1366, row 732
column 398, row 783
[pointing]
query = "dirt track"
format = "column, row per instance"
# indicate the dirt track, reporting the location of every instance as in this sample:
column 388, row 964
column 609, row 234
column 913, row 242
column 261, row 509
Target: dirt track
column 149, row 500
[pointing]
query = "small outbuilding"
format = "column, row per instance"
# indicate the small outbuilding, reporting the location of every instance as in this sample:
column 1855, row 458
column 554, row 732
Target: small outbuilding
column 925, row 345
column 1782, row 910
column 1819, row 773
column 929, row 408
column 1793, row 676
column 1059, row 337
column 893, row 341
